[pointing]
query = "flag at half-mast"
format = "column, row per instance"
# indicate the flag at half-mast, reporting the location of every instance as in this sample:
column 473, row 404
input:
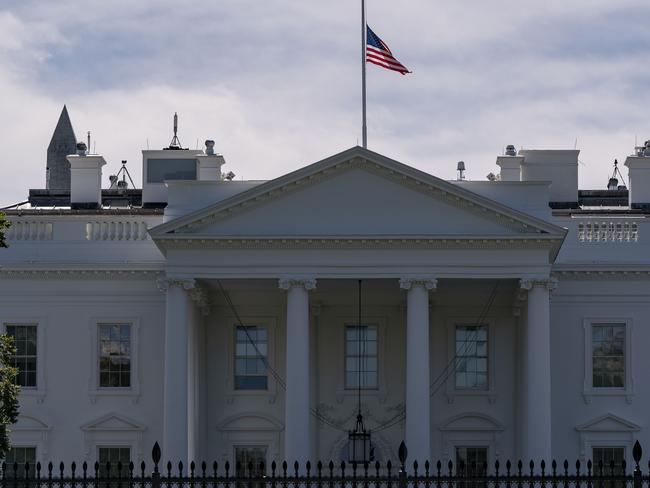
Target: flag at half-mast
column 378, row 52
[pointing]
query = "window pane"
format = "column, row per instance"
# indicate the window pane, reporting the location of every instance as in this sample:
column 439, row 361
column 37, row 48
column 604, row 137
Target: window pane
column 251, row 350
column 471, row 363
column 361, row 357
column 159, row 170
column 608, row 355
column 25, row 358
column 114, row 355
column 20, row 455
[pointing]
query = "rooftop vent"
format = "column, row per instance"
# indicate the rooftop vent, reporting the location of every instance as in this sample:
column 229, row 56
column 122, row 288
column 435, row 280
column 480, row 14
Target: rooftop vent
column 209, row 147
column 81, row 148
column 175, row 145
column 460, row 167
column 510, row 150
column 646, row 148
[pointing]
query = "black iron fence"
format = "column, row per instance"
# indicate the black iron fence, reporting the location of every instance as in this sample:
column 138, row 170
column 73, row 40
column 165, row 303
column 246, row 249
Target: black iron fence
column 330, row 475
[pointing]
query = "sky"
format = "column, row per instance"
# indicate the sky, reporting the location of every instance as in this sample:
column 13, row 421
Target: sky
column 277, row 83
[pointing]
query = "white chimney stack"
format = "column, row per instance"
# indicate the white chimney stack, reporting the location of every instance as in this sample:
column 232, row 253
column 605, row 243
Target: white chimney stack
column 559, row 167
column 85, row 179
column 639, row 177
column 210, row 163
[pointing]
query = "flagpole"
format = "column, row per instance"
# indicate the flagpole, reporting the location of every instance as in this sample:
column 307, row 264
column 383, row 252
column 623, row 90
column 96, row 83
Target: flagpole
column 364, row 128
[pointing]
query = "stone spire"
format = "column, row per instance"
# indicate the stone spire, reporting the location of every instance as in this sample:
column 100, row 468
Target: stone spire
column 63, row 143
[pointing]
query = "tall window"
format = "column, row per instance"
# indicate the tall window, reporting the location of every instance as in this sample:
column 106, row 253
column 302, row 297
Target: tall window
column 113, row 455
column 472, row 461
column 471, row 357
column 609, row 456
column 25, row 358
column 250, row 456
column 115, row 355
column 20, row 456
column 361, row 357
column 251, row 351
column 608, row 355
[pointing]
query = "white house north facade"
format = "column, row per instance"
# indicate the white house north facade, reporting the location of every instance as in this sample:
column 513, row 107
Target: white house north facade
column 500, row 319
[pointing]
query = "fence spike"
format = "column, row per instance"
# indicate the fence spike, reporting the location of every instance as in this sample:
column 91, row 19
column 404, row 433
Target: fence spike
column 343, row 469
column 295, row 467
column 73, row 468
column 520, row 467
column 180, row 469
column 377, row 468
column 96, row 468
column 155, row 454
column 284, row 468
column 402, row 454
column 143, row 466
column 61, row 468
column 319, row 467
column 438, row 466
column 273, row 466
column 508, row 466
column 531, row 465
column 450, row 467
column 84, row 468
column 624, row 466
column 427, row 465
column 169, row 469
column 578, row 467
column 38, row 469
column 415, row 467
column 566, row 467
column 637, row 452
column 331, row 467
column 589, row 466
column 204, row 466
column 543, row 466
column 192, row 466
column 389, row 466
column 214, row 468
column 308, row 467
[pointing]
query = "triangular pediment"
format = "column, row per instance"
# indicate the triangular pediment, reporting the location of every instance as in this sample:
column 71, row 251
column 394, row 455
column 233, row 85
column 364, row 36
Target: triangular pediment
column 608, row 423
column 113, row 422
column 357, row 193
column 29, row 423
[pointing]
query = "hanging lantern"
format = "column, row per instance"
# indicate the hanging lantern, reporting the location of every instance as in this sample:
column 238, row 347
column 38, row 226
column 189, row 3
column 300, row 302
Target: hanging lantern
column 359, row 443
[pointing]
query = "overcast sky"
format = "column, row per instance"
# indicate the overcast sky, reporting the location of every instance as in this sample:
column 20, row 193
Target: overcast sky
column 277, row 83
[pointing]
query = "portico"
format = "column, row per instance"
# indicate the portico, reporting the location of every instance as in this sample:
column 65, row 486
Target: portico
column 286, row 251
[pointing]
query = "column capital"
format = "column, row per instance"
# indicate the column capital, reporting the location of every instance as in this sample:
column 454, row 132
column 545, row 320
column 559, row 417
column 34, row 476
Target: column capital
column 427, row 283
column 200, row 297
column 293, row 281
column 165, row 284
column 550, row 283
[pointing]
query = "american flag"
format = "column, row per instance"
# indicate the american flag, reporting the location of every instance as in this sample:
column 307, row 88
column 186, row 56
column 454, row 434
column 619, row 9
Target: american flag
column 378, row 52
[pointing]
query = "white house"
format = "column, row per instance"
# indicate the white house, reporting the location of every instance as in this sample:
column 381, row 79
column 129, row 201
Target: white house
column 501, row 319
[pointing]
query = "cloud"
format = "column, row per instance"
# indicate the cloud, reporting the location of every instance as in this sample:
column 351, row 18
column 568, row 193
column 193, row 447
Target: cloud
column 277, row 85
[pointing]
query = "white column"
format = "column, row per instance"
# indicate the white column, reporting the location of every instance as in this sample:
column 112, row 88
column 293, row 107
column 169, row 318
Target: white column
column 537, row 415
column 418, row 412
column 175, row 412
column 297, row 445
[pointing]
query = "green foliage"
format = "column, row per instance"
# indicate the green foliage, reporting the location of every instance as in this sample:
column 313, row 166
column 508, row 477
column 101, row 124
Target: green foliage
column 4, row 225
column 8, row 391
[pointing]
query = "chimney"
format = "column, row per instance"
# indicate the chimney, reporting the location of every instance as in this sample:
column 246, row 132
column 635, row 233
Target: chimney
column 639, row 177
column 85, row 178
column 210, row 163
column 510, row 164
column 558, row 167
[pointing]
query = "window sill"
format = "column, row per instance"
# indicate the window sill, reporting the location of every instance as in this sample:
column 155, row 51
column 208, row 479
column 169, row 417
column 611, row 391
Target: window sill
column 38, row 394
column 589, row 393
column 490, row 394
column 380, row 393
column 132, row 393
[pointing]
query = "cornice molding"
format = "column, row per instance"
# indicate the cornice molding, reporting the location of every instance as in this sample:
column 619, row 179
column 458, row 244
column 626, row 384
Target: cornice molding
column 357, row 242
column 76, row 274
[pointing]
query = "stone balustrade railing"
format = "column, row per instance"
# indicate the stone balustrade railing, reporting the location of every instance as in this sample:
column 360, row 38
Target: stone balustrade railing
column 608, row 232
column 29, row 230
column 118, row 230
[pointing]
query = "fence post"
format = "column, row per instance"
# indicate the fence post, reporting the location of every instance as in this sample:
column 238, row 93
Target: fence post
column 402, row 453
column 155, row 476
column 637, row 452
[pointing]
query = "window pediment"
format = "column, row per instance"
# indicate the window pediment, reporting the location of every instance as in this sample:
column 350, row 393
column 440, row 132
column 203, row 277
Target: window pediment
column 113, row 422
column 608, row 423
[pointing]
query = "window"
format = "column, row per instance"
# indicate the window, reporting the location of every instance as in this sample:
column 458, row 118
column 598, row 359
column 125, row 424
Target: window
column 250, row 456
column 113, row 455
column 114, row 355
column 25, row 358
column 608, row 355
column 251, row 352
column 159, row 170
column 20, row 456
column 612, row 464
column 471, row 348
column 471, row 462
column 361, row 357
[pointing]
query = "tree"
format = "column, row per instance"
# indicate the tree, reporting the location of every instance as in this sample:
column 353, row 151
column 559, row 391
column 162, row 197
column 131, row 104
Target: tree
column 8, row 388
column 8, row 391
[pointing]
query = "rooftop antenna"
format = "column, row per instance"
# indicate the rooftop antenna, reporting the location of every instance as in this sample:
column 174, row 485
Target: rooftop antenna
column 460, row 167
column 175, row 144
column 89, row 142
column 612, row 184
column 575, row 144
column 116, row 183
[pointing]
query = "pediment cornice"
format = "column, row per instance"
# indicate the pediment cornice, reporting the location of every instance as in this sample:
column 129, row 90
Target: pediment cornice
column 369, row 161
